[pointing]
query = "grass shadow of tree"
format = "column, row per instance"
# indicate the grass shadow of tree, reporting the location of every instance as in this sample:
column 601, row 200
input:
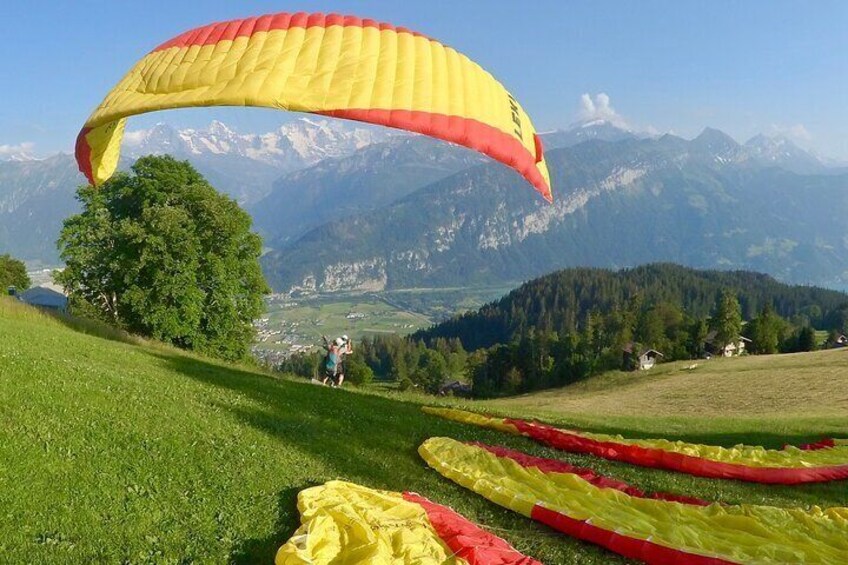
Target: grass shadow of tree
column 263, row 549
column 373, row 440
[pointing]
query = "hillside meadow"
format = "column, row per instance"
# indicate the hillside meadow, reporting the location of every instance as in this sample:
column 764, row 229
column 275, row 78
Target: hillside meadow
column 114, row 449
column 784, row 388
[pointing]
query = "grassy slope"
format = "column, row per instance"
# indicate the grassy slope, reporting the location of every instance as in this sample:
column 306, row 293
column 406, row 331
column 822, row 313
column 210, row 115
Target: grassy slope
column 116, row 451
column 784, row 387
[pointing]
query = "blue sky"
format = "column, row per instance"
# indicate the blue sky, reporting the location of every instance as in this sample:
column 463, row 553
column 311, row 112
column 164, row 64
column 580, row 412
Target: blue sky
column 744, row 67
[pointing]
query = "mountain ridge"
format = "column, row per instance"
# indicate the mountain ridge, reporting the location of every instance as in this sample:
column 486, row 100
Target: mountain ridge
column 699, row 202
column 353, row 180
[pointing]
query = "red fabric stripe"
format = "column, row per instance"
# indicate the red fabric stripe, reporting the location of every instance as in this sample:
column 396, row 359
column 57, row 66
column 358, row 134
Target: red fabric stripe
column 600, row 481
column 82, row 152
column 661, row 459
column 230, row 30
column 633, row 548
column 462, row 131
column 540, row 148
column 826, row 443
column 467, row 540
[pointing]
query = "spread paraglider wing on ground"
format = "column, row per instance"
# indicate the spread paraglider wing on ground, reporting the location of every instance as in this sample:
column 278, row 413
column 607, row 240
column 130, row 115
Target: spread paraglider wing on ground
column 820, row 462
column 653, row 528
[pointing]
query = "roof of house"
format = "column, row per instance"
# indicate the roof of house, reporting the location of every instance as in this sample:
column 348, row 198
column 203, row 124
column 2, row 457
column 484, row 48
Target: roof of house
column 455, row 384
column 630, row 347
column 44, row 296
column 711, row 336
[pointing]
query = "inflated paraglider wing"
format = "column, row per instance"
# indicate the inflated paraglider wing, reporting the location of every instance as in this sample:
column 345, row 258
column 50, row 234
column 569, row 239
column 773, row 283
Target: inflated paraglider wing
column 334, row 65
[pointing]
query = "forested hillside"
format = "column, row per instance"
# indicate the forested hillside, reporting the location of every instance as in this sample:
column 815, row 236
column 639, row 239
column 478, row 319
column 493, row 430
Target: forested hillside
column 561, row 301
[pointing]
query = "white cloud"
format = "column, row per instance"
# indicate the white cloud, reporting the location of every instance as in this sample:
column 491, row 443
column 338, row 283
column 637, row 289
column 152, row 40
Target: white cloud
column 133, row 138
column 599, row 108
column 24, row 148
column 796, row 133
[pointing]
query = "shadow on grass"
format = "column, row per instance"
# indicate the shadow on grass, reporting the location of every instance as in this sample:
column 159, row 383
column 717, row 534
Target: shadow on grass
column 94, row 328
column 373, row 440
column 263, row 550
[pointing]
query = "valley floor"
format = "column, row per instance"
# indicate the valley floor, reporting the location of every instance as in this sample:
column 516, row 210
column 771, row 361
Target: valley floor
column 116, row 450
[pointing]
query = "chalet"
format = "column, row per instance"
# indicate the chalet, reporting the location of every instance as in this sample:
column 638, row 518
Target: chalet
column 731, row 349
column 50, row 297
column 455, row 388
column 841, row 341
column 635, row 357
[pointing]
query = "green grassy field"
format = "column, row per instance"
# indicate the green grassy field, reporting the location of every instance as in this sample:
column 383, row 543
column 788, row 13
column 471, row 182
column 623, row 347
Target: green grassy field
column 117, row 450
column 784, row 388
column 304, row 321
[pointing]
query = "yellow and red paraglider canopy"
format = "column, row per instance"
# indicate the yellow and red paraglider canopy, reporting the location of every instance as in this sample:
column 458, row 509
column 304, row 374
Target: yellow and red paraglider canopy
column 340, row 66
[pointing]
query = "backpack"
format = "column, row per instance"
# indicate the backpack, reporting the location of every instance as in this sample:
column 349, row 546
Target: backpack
column 331, row 361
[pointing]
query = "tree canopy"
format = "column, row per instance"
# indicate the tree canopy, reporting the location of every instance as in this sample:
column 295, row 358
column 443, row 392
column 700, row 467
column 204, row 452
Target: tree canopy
column 13, row 273
column 727, row 322
column 160, row 253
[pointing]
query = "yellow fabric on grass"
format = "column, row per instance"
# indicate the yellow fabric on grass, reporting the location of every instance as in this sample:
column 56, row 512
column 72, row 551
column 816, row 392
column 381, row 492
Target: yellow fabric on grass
column 347, row 524
column 752, row 456
column 741, row 534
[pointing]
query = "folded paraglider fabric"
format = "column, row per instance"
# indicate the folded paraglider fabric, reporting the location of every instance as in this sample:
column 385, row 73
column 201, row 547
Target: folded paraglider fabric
column 826, row 461
column 639, row 527
column 347, row 524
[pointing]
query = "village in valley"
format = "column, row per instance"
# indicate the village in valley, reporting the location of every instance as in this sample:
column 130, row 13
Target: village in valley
column 294, row 325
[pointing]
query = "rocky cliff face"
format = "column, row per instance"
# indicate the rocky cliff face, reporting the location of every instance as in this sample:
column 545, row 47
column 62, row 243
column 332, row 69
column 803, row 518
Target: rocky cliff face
column 705, row 203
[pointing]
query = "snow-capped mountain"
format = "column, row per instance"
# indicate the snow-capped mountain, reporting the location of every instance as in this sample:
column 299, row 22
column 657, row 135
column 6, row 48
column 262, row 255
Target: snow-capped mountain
column 295, row 145
column 781, row 152
column 601, row 130
column 245, row 165
column 705, row 202
column 17, row 153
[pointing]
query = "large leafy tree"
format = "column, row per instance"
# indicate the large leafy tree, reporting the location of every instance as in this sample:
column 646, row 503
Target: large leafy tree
column 767, row 331
column 160, row 253
column 13, row 273
column 431, row 371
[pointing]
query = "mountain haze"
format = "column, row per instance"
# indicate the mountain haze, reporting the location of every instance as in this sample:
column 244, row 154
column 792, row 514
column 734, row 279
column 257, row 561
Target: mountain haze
column 370, row 178
column 35, row 196
column 709, row 202
column 346, row 206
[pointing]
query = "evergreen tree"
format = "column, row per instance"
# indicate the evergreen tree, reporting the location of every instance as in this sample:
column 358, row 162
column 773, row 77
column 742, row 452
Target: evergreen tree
column 766, row 331
column 727, row 322
column 807, row 339
column 698, row 331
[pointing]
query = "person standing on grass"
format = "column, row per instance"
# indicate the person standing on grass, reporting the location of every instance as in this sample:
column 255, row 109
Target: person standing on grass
column 334, row 359
column 345, row 348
